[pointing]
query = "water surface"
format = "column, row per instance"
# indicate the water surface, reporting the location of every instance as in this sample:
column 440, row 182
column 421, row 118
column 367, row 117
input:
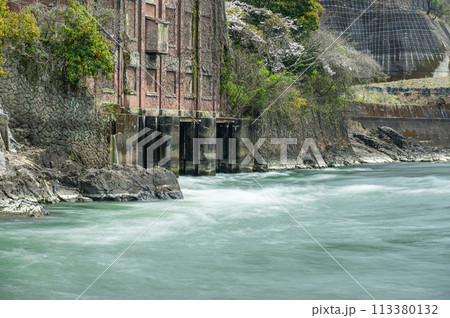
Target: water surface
column 387, row 225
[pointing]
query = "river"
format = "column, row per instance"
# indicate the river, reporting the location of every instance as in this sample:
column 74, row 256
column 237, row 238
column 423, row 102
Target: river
column 379, row 231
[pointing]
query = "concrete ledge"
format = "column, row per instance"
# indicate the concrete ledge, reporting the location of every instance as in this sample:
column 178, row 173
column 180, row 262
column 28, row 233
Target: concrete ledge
column 359, row 109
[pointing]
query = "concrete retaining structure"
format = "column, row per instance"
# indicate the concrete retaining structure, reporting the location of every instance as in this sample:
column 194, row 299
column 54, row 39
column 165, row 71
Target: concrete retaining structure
column 206, row 146
column 428, row 124
column 184, row 145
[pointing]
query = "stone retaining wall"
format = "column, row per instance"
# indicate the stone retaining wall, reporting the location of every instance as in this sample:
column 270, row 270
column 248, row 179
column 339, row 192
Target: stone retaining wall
column 44, row 115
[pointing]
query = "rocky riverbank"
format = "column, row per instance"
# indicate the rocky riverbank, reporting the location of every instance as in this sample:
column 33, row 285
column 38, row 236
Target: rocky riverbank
column 384, row 144
column 31, row 180
column 380, row 145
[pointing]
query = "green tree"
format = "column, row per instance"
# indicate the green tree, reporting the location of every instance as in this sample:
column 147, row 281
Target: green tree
column 15, row 28
column 305, row 12
column 84, row 50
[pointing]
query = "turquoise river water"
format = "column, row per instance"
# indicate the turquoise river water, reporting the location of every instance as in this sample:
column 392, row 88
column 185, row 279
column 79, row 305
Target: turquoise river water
column 387, row 225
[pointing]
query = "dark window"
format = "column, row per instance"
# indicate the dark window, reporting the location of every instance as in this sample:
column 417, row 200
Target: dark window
column 151, row 81
column 171, row 83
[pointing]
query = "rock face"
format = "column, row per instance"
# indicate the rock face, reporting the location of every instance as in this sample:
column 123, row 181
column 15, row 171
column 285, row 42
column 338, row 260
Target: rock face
column 131, row 183
column 26, row 186
column 384, row 144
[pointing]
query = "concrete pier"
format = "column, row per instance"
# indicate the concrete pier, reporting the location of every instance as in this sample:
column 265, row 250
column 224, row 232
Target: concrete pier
column 184, row 145
column 4, row 142
column 4, row 120
column 169, row 153
column 206, row 147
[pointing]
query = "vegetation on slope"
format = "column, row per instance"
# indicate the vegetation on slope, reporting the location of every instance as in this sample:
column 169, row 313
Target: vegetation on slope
column 273, row 64
column 414, row 91
column 305, row 13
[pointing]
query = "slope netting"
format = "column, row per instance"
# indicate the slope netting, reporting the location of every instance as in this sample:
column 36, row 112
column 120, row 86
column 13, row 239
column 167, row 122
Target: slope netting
column 397, row 33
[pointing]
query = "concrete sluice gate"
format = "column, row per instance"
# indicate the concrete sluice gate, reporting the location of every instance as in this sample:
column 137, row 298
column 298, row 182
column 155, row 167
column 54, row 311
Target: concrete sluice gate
column 185, row 146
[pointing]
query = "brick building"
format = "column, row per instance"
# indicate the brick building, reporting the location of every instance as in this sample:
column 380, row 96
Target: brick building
column 167, row 55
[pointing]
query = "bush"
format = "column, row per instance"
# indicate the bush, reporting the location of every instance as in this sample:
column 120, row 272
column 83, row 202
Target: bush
column 70, row 46
column 249, row 87
column 306, row 13
column 78, row 44
column 85, row 52
column 15, row 28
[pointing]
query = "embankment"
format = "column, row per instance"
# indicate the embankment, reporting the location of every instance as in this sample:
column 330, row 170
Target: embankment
column 427, row 124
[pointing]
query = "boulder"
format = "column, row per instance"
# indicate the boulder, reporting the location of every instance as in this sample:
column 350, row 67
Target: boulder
column 19, row 207
column 398, row 139
column 26, row 187
column 129, row 183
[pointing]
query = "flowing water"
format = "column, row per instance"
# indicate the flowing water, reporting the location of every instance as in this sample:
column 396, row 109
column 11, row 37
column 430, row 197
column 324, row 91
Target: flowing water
column 387, row 225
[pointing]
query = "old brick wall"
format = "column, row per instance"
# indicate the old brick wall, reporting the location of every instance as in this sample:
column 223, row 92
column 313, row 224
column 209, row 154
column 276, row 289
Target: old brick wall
column 44, row 115
column 167, row 55
column 172, row 55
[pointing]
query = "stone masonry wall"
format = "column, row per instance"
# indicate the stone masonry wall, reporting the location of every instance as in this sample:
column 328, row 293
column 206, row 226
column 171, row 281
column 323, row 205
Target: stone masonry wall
column 43, row 115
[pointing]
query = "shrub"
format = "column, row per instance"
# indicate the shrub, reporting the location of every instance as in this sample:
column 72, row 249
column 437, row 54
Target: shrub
column 15, row 28
column 249, row 87
column 83, row 50
column 306, row 13
column 70, row 46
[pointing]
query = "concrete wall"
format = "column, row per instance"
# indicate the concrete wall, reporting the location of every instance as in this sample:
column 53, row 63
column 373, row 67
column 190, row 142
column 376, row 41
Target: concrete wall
column 183, row 145
column 429, row 124
column 327, row 129
column 397, row 33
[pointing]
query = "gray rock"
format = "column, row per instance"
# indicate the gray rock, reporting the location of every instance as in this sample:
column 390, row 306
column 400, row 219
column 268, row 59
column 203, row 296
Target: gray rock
column 21, row 208
column 384, row 144
column 129, row 183
column 26, row 186
column 398, row 139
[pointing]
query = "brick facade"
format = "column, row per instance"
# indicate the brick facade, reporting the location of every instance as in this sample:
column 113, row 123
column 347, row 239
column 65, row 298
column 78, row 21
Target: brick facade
column 167, row 54
column 171, row 59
